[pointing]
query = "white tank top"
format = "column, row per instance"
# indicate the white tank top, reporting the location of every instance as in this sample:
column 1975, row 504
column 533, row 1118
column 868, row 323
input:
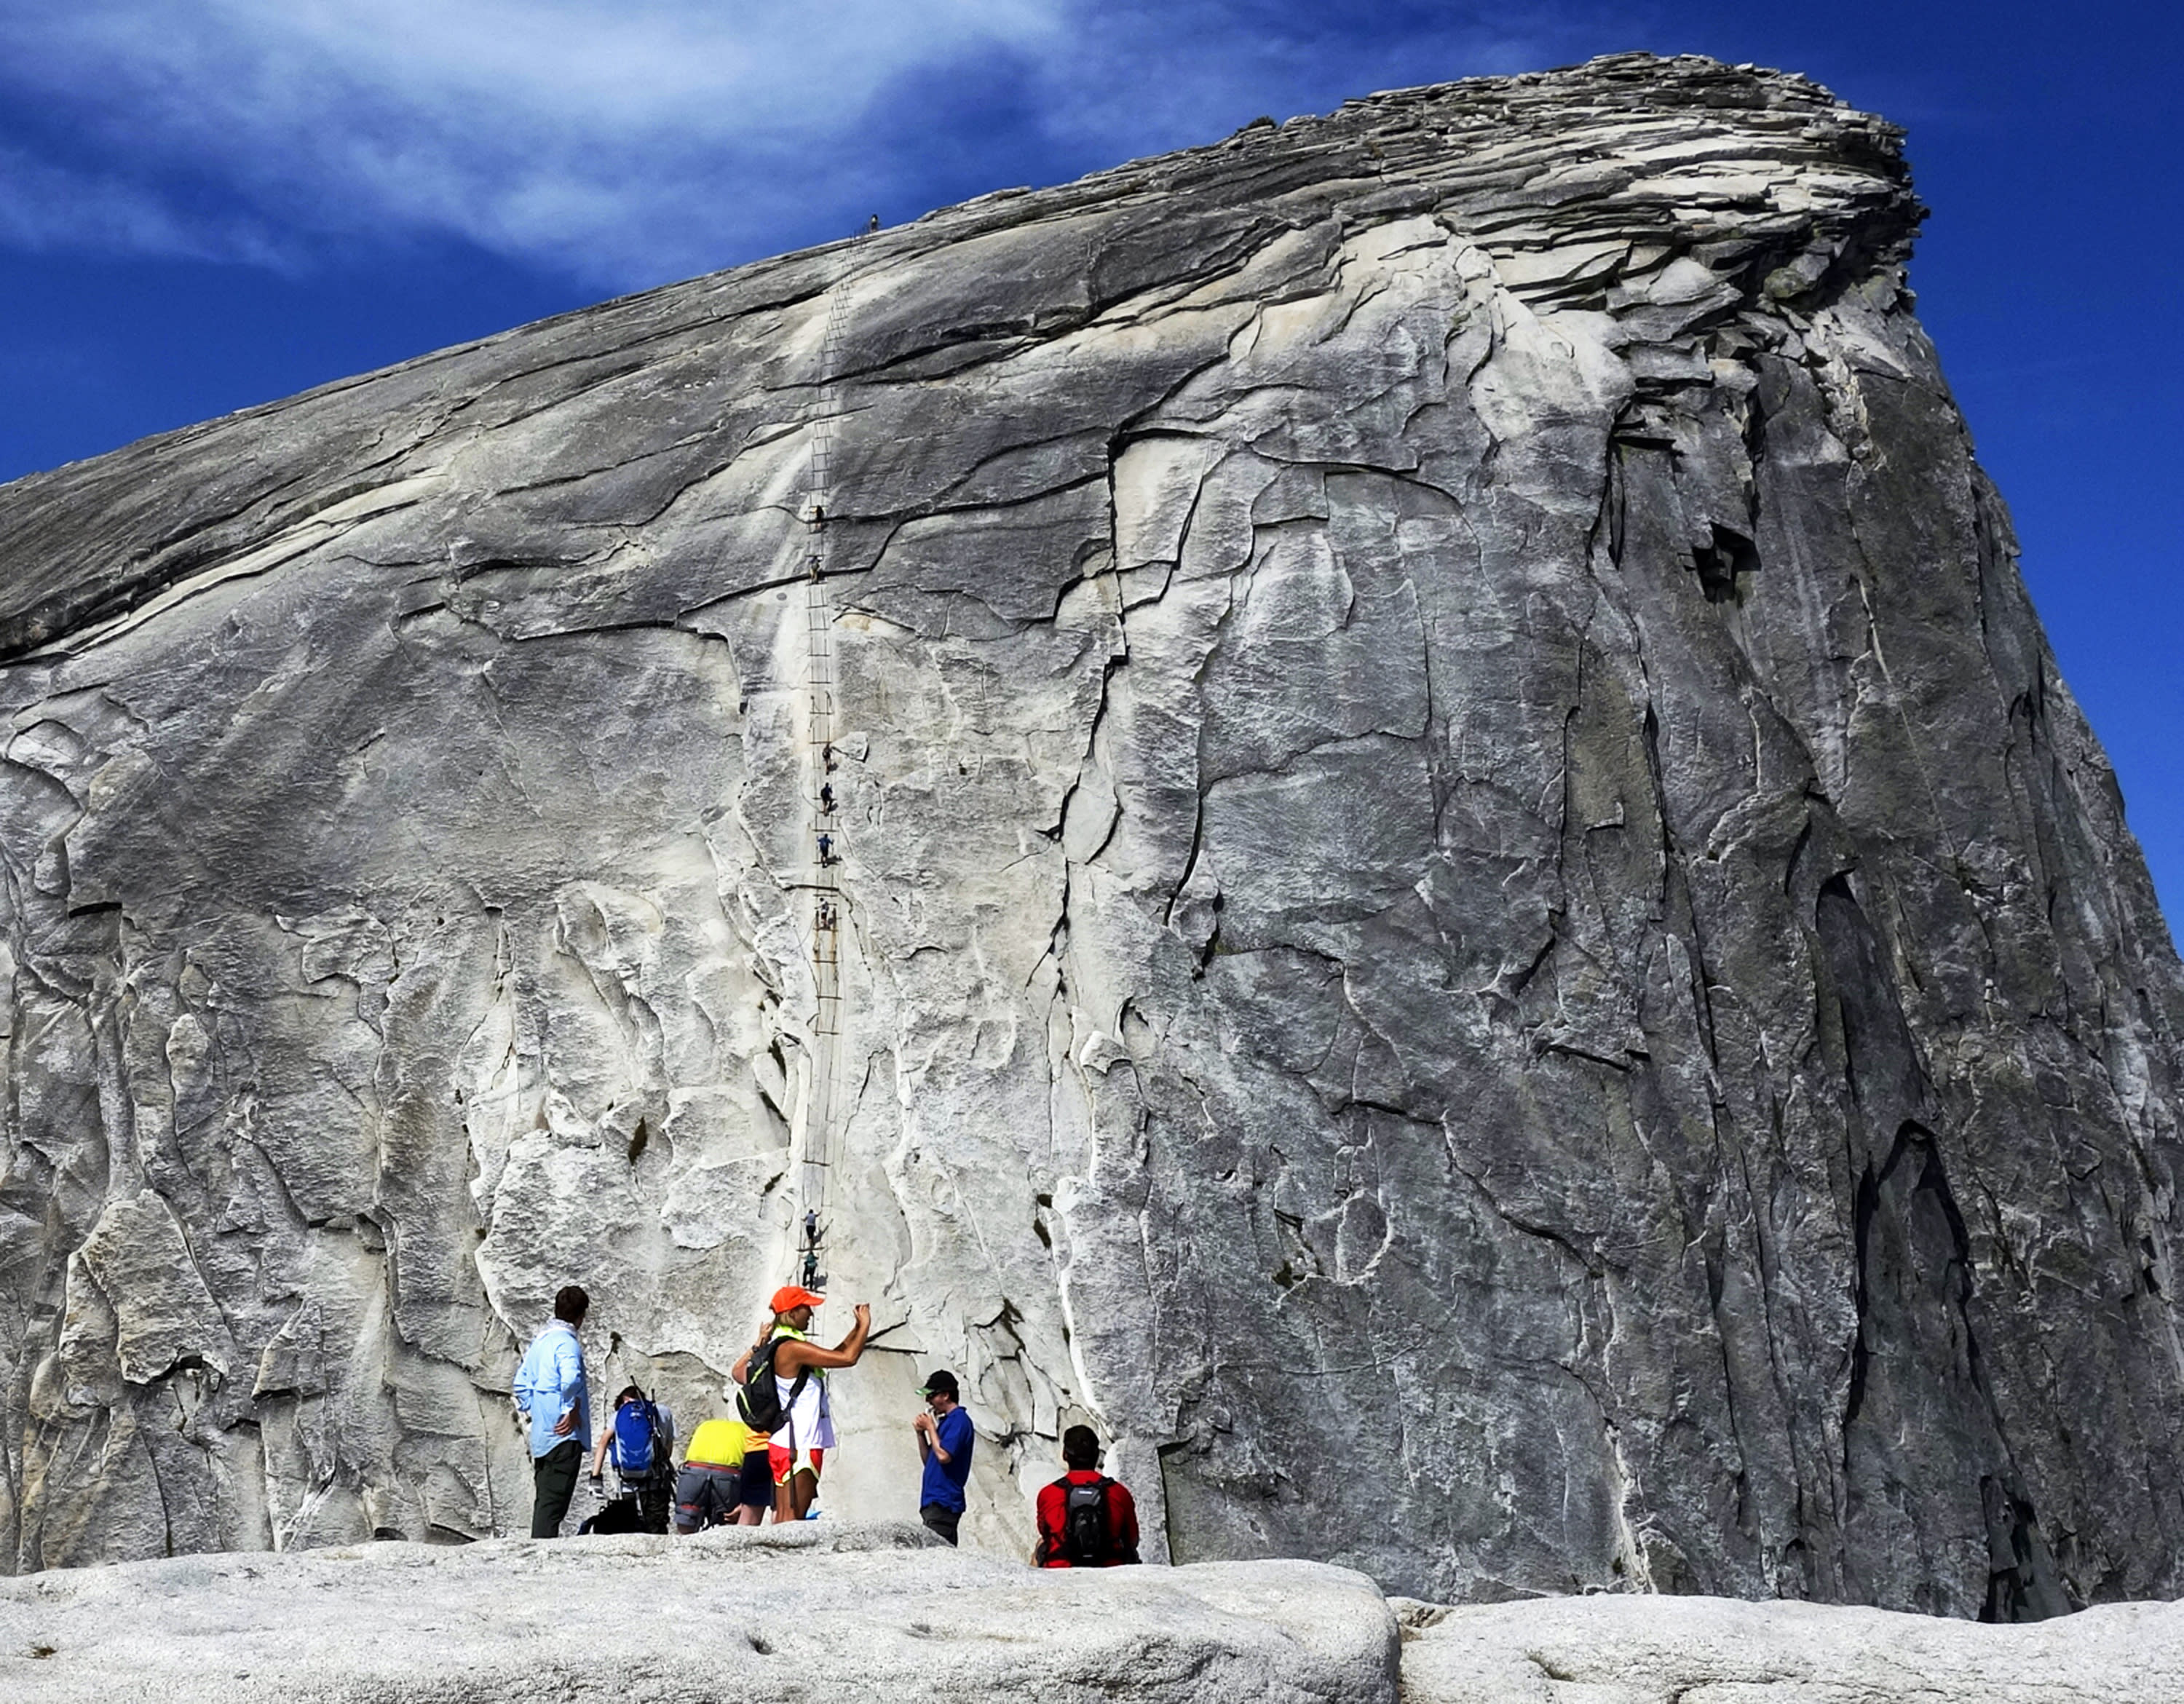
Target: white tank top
column 810, row 1422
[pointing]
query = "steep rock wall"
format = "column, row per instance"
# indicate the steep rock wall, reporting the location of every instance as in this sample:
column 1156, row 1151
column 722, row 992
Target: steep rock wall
column 1470, row 909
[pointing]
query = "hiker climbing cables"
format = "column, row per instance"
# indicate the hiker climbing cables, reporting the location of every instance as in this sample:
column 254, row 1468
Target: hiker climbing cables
column 788, row 1372
column 783, row 1391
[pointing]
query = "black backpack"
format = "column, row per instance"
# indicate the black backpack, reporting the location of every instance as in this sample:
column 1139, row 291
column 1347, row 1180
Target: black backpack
column 1085, row 1540
column 758, row 1400
column 619, row 1515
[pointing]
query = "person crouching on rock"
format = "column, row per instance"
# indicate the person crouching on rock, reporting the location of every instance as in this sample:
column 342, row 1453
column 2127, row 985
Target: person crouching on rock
column 640, row 1441
column 1085, row 1519
column 944, row 1441
column 550, row 1396
column 726, row 1480
column 799, row 1411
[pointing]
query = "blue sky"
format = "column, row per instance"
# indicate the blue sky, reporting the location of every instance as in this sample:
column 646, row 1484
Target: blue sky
column 207, row 203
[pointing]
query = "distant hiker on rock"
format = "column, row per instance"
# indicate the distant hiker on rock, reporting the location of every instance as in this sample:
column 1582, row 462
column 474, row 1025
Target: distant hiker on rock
column 945, row 1438
column 783, row 1392
column 1085, row 1519
column 640, row 1441
column 550, row 1395
column 727, row 1480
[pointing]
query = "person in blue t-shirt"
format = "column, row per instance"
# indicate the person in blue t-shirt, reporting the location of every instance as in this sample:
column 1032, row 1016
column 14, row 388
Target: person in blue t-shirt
column 944, row 1441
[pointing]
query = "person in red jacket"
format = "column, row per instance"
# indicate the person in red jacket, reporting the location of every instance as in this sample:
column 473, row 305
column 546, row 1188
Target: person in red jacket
column 1085, row 1519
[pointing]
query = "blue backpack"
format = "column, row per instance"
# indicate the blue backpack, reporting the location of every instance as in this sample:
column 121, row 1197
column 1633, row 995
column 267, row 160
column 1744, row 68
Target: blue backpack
column 638, row 1448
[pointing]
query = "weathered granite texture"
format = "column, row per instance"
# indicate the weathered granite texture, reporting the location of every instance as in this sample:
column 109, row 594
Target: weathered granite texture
column 1472, row 910
column 886, row 1612
column 1624, row 1649
column 791, row 1615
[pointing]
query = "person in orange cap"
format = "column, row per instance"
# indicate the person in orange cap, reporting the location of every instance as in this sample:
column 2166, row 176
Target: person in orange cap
column 803, row 1430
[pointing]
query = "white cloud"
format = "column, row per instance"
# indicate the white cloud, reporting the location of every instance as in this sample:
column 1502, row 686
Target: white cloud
column 628, row 141
column 44, row 207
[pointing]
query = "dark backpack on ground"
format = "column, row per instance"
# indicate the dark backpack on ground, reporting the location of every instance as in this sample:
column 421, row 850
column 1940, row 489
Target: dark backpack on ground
column 1085, row 1540
column 619, row 1515
column 640, row 1451
column 759, row 1401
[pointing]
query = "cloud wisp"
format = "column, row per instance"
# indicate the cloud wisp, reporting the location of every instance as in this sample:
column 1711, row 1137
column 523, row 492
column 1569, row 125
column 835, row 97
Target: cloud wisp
column 625, row 142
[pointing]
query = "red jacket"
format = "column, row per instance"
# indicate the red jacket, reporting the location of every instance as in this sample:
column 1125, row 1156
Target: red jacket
column 1053, row 1509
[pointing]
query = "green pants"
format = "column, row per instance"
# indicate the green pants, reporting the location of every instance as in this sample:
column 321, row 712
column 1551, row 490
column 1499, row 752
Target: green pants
column 553, row 1483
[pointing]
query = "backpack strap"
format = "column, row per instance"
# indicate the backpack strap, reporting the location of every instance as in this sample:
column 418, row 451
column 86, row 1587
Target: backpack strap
column 802, row 1373
column 789, row 1402
column 803, row 1377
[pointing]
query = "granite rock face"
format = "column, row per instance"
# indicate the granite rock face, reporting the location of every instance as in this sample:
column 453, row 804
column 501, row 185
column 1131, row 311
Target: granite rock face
column 1469, row 908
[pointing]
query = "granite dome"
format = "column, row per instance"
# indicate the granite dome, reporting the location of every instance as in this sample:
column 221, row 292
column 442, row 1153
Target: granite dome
column 1467, row 906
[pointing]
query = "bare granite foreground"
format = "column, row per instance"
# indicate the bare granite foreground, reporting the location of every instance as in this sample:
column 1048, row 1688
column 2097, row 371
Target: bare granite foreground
column 878, row 1612
column 828, row 1612
column 1612, row 1649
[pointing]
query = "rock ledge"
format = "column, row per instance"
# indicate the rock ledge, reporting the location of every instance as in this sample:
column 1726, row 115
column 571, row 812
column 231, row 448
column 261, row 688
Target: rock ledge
column 882, row 1611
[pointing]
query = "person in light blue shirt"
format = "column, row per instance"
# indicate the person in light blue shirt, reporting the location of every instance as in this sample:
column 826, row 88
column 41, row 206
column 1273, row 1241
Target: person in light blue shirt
column 550, row 1395
column 944, row 1441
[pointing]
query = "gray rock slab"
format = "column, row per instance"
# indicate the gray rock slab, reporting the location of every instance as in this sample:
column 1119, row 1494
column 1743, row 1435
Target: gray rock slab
column 871, row 1612
column 1610, row 1649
